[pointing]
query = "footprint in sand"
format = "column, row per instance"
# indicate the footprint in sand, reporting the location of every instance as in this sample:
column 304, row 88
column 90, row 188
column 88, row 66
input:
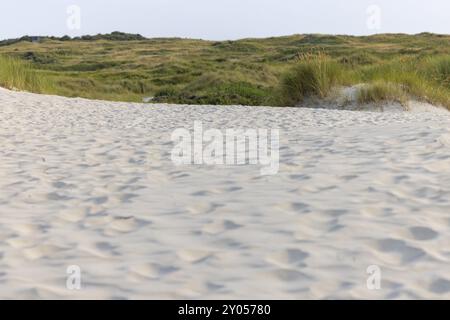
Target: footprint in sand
column 300, row 177
column 300, row 207
column 99, row 200
column 193, row 256
column 105, row 246
column 128, row 197
column 220, row 227
column 101, row 249
column 29, row 229
column 423, row 233
column 152, row 270
column 202, row 193
column 124, row 224
column 406, row 253
column 21, row 243
column 288, row 258
column 63, row 185
column 290, row 275
column 200, row 208
column 41, row 251
column 440, row 286
column 54, row 196
column 292, row 208
column 74, row 214
column 97, row 221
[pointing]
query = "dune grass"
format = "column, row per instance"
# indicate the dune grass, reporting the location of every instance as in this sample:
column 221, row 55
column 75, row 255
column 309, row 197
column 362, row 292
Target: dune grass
column 438, row 69
column 419, row 78
column 397, row 79
column 19, row 75
column 314, row 75
column 278, row 71
column 381, row 91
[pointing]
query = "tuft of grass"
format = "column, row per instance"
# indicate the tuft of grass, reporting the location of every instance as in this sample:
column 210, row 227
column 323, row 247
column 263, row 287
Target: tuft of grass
column 314, row 75
column 396, row 79
column 381, row 91
column 438, row 69
column 419, row 78
column 19, row 75
column 359, row 59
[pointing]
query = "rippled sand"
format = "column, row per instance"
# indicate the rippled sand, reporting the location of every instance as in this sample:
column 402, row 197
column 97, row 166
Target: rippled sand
column 91, row 184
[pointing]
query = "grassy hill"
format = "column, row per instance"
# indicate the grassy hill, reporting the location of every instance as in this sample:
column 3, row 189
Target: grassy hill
column 250, row 71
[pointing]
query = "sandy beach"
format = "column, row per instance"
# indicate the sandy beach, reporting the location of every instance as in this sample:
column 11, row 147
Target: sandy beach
column 92, row 184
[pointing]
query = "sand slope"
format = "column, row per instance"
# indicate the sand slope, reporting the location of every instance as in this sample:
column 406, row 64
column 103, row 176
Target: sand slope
column 90, row 183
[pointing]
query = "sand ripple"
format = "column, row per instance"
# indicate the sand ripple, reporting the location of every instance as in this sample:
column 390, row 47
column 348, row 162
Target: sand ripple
column 90, row 183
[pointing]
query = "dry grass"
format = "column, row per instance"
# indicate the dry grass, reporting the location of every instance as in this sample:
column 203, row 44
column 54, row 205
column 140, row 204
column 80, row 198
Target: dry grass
column 380, row 91
column 313, row 75
column 274, row 71
column 19, row 75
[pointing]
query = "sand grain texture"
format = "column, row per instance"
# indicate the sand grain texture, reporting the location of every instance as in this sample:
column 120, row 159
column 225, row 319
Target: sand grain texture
column 91, row 183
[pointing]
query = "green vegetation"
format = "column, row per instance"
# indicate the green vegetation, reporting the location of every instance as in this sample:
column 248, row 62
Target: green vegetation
column 273, row 71
column 381, row 91
column 396, row 79
column 19, row 75
column 314, row 75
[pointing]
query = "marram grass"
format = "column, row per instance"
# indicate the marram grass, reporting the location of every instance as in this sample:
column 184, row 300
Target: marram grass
column 16, row 74
column 279, row 71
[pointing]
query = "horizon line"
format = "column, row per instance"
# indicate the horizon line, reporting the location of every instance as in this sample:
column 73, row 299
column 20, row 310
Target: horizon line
column 236, row 39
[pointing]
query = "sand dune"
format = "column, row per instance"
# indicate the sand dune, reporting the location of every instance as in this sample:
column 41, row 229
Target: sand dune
column 91, row 184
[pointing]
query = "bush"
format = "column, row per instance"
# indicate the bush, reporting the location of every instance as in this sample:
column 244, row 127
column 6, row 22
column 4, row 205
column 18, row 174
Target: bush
column 241, row 93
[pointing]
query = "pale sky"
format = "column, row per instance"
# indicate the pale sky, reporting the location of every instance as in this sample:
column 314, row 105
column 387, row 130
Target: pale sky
column 224, row 19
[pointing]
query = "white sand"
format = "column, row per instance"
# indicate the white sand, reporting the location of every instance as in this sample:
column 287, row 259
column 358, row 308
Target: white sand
column 91, row 183
column 346, row 98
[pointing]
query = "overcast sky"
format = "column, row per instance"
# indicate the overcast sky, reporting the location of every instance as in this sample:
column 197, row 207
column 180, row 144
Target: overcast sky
column 222, row 19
